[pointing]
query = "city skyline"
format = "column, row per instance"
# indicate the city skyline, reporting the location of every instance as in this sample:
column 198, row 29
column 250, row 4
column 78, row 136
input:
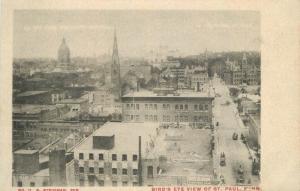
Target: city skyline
column 38, row 34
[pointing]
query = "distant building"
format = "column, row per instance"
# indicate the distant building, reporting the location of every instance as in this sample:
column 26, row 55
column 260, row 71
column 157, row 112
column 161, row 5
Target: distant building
column 172, row 77
column 102, row 102
column 249, row 104
column 244, row 65
column 141, row 70
column 196, row 77
column 63, row 54
column 237, row 77
column 253, row 75
column 33, row 121
column 38, row 112
column 165, row 105
column 228, row 77
column 79, row 105
column 40, row 97
column 171, row 64
column 241, row 73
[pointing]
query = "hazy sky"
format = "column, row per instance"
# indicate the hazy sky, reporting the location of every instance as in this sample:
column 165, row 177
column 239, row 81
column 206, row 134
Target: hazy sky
column 90, row 33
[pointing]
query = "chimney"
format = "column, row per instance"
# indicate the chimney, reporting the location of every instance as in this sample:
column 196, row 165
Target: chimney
column 140, row 163
column 26, row 161
column 57, row 168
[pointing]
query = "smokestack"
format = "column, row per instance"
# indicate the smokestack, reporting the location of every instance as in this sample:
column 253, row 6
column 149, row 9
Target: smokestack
column 57, row 168
column 140, row 162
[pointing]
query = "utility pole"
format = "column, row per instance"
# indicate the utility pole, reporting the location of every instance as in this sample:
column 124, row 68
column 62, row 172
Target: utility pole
column 140, row 162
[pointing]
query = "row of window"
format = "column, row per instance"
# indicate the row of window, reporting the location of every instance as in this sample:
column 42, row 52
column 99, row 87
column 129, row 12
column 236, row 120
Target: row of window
column 166, row 118
column 195, row 118
column 92, row 181
column 133, row 106
column 113, row 157
column 60, row 129
column 166, row 107
column 32, row 184
column 132, row 117
column 201, row 107
column 114, row 171
column 177, row 107
column 150, row 106
column 150, row 117
column 200, row 79
column 181, row 118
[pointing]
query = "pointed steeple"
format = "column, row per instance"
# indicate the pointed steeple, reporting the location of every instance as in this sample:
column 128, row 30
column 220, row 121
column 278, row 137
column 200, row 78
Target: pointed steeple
column 205, row 54
column 115, row 70
column 205, row 59
column 244, row 60
column 115, row 46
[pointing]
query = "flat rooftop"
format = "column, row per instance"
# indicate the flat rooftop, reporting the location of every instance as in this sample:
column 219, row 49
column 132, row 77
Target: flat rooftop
column 178, row 94
column 31, row 93
column 187, row 151
column 22, row 151
column 126, row 136
column 31, row 108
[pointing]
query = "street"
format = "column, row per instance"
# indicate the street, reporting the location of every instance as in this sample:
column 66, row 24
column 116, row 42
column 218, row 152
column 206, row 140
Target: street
column 236, row 153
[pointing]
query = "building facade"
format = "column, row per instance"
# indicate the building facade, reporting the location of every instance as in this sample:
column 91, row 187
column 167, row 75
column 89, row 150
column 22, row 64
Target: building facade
column 103, row 159
column 191, row 107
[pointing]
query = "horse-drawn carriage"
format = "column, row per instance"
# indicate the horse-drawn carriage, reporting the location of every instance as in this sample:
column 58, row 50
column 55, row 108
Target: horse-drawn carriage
column 240, row 175
column 222, row 159
column 235, row 136
column 255, row 167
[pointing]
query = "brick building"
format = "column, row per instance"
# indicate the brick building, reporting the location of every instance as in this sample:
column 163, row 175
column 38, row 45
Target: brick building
column 164, row 105
column 109, row 158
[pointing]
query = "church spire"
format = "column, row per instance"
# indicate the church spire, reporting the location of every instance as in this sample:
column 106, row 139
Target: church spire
column 115, row 70
column 115, row 46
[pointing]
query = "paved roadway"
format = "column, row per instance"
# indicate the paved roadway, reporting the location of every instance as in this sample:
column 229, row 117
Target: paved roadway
column 229, row 122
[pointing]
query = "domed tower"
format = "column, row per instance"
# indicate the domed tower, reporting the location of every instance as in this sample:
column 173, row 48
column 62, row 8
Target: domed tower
column 63, row 55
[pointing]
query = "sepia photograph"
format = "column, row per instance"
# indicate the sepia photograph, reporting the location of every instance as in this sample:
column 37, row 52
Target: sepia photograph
column 125, row 98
